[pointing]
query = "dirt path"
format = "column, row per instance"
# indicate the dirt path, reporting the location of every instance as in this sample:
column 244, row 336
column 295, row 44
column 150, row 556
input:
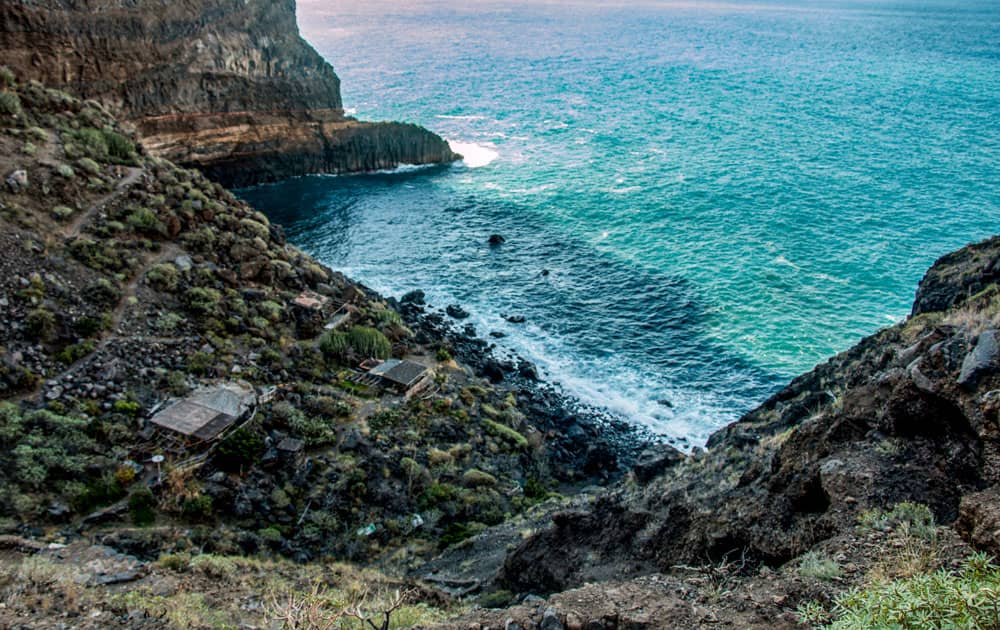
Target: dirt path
column 73, row 229
column 170, row 250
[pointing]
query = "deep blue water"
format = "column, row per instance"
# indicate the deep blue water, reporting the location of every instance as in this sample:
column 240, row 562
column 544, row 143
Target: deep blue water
column 724, row 194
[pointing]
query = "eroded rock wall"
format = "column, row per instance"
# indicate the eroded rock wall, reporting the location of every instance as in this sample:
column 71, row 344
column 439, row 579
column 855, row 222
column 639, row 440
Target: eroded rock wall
column 225, row 85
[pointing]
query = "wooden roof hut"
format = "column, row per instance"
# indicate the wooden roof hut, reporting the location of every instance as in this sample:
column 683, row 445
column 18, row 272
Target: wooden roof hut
column 205, row 415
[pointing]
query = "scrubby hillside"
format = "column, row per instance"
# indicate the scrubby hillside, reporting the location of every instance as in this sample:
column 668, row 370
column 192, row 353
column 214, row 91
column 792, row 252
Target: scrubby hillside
column 128, row 281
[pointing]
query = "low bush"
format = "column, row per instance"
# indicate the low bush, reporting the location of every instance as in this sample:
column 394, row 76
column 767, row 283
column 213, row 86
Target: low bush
column 943, row 599
column 816, row 565
column 10, row 104
column 239, row 450
column 140, row 506
column 41, row 324
column 203, row 301
column 358, row 342
column 505, row 432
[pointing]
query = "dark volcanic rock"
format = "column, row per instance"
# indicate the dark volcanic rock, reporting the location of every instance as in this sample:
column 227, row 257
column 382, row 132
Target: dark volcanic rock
column 496, row 239
column 866, row 430
column 981, row 360
column 227, row 86
column 979, row 520
column 958, row 275
column 456, row 311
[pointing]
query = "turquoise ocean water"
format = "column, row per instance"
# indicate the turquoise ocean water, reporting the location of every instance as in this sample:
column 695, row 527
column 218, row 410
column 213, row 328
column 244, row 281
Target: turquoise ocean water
column 724, row 194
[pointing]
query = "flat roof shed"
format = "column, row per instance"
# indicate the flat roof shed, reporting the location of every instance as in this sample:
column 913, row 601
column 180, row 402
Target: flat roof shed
column 405, row 374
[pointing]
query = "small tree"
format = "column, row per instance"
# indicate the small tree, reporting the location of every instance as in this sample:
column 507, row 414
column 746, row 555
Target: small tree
column 239, row 450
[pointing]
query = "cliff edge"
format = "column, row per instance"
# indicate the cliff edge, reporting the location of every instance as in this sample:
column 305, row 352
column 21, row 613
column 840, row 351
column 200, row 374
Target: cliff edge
column 227, row 86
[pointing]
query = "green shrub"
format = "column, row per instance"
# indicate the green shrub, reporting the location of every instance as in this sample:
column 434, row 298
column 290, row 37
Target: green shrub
column 197, row 508
column 505, row 432
column 102, row 292
column 10, row 104
column 173, row 561
column 360, row 341
column 908, row 518
column 203, row 301
column 98, row 492
column 41, row 324
column 7, row 78
column 272, row 311
column 62, row 212
column 967, row 599
column 315, row 431
column 476, row 478
column 29, row 149
column 535, row 489
column 88, row 326
column 388, row 318
column 816, row 565
column 38, row 134
column 72, row 354
column 270, row 534
column 163, row 277
column 127, row 407
column 140, row 506
column 168, row 323
column 453, row 534
column 88, row 166
column 118, row 146
column 496, row 599
column 92, row 142
column 144, row 221
column 436, row 494
column 443, row 354
column 239, row 450
column 66, row 171
column 200, row 362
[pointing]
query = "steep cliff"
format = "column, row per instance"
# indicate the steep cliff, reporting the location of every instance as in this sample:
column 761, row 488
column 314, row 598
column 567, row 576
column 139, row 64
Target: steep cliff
column 910, row 414
column 228, row 86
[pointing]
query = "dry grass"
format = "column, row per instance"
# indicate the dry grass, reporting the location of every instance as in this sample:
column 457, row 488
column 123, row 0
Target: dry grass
column 210, row 591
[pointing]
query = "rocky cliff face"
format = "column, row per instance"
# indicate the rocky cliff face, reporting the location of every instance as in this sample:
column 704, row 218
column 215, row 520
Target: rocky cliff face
column 909, row 414
column 228, row 86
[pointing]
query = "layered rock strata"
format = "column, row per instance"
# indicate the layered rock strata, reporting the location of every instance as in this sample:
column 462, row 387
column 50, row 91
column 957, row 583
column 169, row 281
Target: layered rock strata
column 228, row 86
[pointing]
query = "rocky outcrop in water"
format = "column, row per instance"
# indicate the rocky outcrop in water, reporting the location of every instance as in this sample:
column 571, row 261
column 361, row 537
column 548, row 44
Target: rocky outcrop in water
column 228, row 86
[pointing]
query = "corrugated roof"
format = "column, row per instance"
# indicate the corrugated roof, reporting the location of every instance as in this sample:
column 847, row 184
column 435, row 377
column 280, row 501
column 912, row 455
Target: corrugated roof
column 206, row 413
column 405, row 373
column 384, row 367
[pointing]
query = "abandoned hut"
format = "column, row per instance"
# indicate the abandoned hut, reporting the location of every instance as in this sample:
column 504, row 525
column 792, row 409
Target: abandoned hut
column 406, row 377
column 204, row 415
column 311, row 301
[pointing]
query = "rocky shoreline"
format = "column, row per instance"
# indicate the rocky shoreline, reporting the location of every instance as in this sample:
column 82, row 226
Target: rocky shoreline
column 590, row 440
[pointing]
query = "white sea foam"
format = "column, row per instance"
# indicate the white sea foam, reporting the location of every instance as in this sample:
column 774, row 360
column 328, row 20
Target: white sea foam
column 351, row 111
column 474, row 155
column 624, row 190
column 781, row 260
column 447, row 117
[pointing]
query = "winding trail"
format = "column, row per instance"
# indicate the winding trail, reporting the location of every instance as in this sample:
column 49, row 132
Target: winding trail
column 73, row 229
